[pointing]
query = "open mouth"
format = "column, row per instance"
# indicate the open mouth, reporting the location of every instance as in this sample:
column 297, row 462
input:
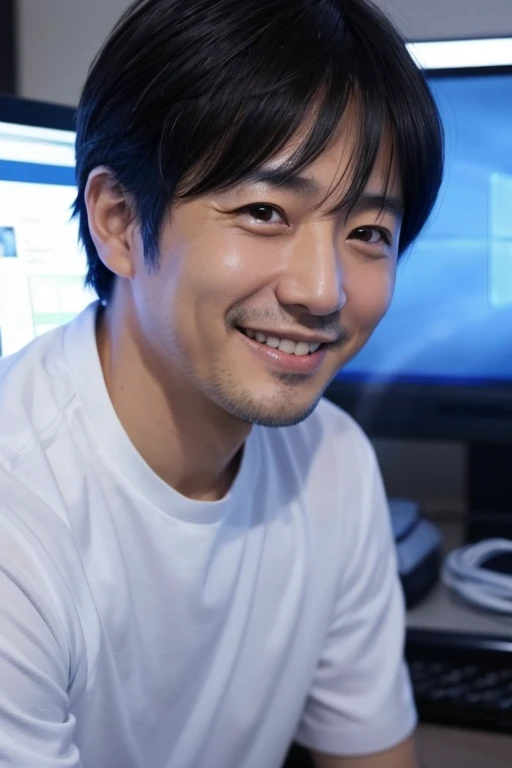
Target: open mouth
column 290, row 347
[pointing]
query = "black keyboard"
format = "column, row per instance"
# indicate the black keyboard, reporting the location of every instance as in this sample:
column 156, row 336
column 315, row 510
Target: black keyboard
column 463, row 680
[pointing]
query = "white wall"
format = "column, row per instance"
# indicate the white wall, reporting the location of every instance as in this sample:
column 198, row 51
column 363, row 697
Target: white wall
column 59, row 38
column 57, row 42
column 437, row 19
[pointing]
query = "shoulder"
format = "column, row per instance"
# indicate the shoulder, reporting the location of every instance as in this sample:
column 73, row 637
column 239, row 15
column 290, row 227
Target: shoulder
column 31, row 532
column 36, row 391
column 32, row 389
column 39, row 385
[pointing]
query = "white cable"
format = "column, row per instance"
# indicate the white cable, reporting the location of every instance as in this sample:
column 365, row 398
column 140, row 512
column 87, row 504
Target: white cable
column 463, row 572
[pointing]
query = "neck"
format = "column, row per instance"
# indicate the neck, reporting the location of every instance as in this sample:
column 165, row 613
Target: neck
column 191, row 443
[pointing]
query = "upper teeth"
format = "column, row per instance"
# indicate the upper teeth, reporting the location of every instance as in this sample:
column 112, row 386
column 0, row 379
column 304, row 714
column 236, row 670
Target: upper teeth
column 285, row 345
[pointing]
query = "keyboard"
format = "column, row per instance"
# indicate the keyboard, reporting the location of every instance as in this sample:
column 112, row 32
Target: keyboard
column 462, row 680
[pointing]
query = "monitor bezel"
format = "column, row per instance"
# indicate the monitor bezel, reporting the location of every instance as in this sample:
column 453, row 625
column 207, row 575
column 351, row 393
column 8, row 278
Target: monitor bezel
column 470, row 412
column 38, row 114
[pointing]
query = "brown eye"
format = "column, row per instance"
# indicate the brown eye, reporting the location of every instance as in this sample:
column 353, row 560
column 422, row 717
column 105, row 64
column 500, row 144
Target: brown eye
column 263, row 213
column 372, row 235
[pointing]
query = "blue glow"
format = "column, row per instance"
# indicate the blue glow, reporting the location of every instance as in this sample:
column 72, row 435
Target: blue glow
column 36, row 173
column 451, row 316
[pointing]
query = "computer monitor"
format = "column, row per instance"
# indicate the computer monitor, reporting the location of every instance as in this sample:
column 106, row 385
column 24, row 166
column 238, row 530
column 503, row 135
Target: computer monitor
column 440, row 363
column 41, row 264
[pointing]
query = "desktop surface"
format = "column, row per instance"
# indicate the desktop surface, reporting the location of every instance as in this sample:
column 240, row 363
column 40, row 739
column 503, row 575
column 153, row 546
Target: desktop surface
column 443, row 611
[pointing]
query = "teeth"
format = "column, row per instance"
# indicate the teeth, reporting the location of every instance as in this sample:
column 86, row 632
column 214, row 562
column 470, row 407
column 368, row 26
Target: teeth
column 288, row 346
column 300, row 348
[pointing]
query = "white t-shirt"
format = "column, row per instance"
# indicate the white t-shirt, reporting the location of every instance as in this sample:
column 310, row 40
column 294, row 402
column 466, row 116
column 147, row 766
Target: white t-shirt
column 141, row 629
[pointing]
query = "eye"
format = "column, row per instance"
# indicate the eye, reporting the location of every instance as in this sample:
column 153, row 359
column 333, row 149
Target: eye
column 264, row 213
column 372, row 236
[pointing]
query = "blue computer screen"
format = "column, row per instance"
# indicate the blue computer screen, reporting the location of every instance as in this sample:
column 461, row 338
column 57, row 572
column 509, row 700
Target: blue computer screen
column 451, row 316
column 41, row 263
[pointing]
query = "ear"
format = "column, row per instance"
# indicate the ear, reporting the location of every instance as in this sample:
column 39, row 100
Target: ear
column 112, row 222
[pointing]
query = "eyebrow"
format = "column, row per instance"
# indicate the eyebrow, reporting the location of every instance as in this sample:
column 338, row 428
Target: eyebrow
column 305, row 185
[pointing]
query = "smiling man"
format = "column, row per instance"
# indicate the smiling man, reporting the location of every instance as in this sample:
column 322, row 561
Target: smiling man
column 196, row 565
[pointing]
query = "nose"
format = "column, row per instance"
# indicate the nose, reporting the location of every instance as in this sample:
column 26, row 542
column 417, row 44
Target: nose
column 314, row 275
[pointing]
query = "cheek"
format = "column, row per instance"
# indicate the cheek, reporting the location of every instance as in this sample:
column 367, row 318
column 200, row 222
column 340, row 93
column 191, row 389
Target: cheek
column 222, row 271
column 369, row 294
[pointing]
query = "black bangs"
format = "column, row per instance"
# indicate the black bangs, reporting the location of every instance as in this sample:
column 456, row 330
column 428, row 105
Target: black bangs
column 190, row 96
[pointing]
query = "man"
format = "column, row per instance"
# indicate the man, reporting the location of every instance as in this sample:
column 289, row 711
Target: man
column 196, row 566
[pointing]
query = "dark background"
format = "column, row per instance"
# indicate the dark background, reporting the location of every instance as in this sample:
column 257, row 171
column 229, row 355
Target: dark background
column 7, row 47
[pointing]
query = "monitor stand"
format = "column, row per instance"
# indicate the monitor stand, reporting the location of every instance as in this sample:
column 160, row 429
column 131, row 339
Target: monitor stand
column 489, row 491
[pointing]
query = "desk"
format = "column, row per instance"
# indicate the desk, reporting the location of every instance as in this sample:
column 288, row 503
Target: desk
column 454, row 748
column 442, row 747
column 444, row 611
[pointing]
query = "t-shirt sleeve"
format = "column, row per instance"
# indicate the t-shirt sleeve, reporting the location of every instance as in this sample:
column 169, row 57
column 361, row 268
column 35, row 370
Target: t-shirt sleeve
column 360, row 701
column 35, row 728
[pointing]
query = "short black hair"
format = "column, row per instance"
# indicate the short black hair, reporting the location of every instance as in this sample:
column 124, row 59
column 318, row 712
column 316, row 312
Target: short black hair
column 189, row 96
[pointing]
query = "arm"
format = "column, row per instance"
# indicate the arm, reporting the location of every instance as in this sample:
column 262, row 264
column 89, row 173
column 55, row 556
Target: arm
column 360, row 701
column 401, row 756
column 35, row 725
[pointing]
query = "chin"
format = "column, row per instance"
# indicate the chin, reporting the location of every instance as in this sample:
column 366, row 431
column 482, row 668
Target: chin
column 272, row 414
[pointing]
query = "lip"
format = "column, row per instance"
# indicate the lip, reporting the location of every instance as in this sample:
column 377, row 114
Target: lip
column 283, row 361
